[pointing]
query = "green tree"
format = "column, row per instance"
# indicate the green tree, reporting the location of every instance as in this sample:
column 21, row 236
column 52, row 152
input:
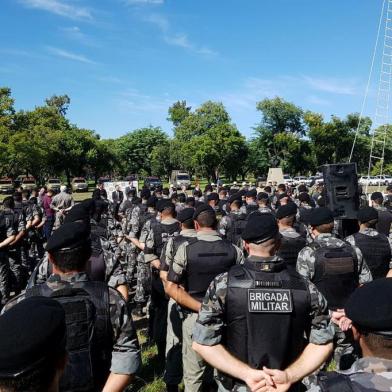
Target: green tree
column 134, row 150
column 60, row 103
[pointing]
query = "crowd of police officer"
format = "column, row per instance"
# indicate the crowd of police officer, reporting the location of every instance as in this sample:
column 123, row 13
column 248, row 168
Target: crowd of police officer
column 243, row 288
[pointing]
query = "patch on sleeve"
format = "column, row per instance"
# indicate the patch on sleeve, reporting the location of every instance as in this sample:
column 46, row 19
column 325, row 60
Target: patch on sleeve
column 270, row 301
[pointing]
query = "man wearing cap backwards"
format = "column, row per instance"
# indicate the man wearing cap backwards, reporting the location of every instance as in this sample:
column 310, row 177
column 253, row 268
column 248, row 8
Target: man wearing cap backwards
column 291, row 242
column 263, row 201
column 337, row 269
column 384, row 216
column 33, row 358
column 160, row 230
column 376, row 248
column 257, row 314
column 103, row 350
column 173, row 367
column 196, row 262
column 232, row 224
column 372, row 329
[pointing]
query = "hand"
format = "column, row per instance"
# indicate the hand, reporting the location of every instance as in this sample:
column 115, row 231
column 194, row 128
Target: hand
column 337, row 315
column 258, row 380
column 345, row 324
column 280, row 380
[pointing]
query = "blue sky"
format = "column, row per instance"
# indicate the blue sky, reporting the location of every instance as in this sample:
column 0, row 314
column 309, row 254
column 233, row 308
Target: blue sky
column 124, row 62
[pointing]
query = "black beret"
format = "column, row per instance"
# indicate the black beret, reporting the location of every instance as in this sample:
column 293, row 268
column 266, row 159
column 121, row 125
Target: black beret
column 152, row 201
column 367, row 214
column 267, row 189
column 190, row 199
column 68, row 236
column 242, row 192
column 286, row 210
column 320, row 216
column 304, row 197
column 185, row 214
column 80, row 212
column 263, row 196
column 31, row 331
column 370, row 306
column 376, row 196
column 235, row 197
column 164, row 204
column 302, row 188
column 145, row 193
column 260, row 228
column 251, row 193
column 213, row 196
column 203, row 208
column 282, row 196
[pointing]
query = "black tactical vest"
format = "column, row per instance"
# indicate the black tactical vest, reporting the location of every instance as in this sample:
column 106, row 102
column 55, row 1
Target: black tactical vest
column 304, row 214
column 376, row 252
column 251, row 208
column 7, row 220
column 383, row 225
column 206, row 260
column 335, row 273
column 268, row 312
column 89, row 334
column 238, row 223
column 289, row 249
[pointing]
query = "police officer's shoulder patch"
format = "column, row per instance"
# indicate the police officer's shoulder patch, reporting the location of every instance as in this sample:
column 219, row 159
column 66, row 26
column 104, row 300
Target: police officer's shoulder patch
column 270, row 301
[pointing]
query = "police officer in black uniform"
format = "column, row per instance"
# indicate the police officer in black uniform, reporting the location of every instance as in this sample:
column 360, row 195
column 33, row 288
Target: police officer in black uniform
column 291, row 242
column 257, row 314
column 375, row 247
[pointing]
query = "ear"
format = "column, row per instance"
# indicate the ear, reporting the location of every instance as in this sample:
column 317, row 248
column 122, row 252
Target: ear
column 246, row 246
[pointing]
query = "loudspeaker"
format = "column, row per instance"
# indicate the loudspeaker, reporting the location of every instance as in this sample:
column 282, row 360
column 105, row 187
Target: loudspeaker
column 341, row 187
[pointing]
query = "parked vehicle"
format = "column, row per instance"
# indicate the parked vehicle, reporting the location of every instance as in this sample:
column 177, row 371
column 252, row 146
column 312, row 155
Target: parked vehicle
column 29, row 183
column 299, row 180
column 152, row 182
column 6, row 185
column 79, row 184
column 369, row 180
column 384, row 180
column 54, row 184
column 180, row 178
column 288, row 180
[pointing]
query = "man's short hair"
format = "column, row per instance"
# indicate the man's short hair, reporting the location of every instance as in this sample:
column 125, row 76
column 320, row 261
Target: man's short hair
column 207, row 219
column 325, row 228
column 380, row 346
column 282, row 187
column 9, row 202
column 72, row 259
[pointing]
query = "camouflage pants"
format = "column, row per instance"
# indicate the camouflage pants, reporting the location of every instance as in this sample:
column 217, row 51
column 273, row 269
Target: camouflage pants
column 345, row 351
column 143, row 280
column 17, row 272
column 131, row 262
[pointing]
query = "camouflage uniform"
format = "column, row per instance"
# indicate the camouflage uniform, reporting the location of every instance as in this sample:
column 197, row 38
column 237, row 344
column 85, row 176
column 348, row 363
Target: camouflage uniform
column 193, row 365
column 126, row 352
column 173, row 369
column 344, row 352
column 9, row 229
column 16, row 252
column 367, row 374
column 143, row 273
column 210, row 326
column 266, row 210
column 226, row 222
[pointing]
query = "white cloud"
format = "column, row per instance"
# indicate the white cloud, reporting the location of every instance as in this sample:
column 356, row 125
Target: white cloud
column 142, row 2
column 333, row 86
column 132, row 100
column 69, row 55
column 61, row 8
column 179, row 39
column 76, row 34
